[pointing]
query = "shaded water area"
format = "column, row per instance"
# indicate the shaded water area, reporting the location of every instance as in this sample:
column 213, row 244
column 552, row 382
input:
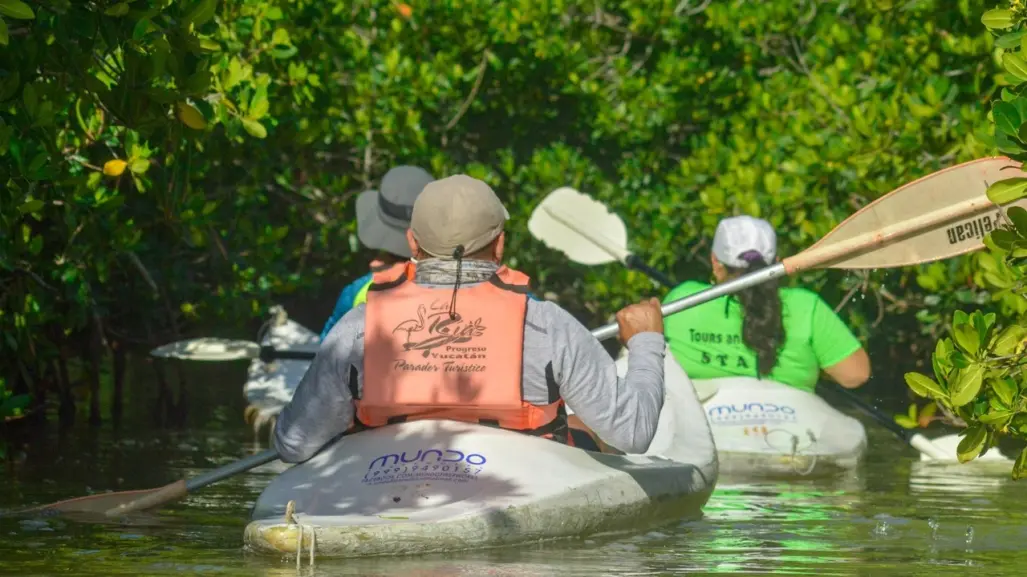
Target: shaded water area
column 893, row 517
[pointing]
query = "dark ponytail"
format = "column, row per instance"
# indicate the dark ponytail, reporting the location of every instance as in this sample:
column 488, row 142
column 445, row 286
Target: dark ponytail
column 763, row 329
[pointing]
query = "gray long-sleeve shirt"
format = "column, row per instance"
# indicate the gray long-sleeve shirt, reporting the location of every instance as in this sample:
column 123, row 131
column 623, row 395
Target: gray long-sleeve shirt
column 623, row 412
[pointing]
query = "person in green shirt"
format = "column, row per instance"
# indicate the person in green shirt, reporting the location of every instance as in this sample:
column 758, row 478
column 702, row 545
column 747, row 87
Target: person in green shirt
column 788, row 335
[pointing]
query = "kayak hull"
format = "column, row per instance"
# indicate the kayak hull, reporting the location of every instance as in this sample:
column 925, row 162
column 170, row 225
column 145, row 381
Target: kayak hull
column 767, row 429
column 433, row 486
column 384, row 492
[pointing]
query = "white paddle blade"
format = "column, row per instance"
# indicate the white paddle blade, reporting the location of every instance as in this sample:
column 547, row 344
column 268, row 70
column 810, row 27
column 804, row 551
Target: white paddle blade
column 208, row 349
column 580, row 227
column 952, row 204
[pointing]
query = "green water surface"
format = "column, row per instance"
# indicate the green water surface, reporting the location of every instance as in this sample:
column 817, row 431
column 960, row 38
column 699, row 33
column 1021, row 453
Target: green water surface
column 892, row 517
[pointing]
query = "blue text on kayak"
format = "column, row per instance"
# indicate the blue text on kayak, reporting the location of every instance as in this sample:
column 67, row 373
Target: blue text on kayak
column 445, row 456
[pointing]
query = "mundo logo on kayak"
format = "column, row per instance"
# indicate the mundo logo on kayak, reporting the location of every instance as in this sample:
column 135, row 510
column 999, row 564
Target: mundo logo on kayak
column 429, row 456
column 447, row 465
column 744, row 413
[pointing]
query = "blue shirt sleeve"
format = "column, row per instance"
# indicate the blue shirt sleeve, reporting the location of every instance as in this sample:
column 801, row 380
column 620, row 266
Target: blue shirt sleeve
column 345, row 303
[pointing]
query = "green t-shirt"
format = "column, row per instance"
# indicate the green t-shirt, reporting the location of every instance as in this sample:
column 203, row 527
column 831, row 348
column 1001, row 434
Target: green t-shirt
column 707, row 340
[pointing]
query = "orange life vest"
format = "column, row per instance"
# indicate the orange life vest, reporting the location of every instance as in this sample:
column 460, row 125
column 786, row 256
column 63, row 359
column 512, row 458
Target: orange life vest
column 421, row 362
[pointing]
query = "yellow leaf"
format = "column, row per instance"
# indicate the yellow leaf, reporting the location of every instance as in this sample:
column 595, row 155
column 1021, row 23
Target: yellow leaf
column 189, row 116
column 114, row 167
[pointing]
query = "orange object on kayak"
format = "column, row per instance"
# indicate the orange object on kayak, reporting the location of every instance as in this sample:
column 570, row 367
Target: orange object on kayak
column 444, row 353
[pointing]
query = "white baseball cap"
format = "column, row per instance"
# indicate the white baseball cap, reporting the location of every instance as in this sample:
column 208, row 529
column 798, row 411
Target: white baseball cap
column 739, row 239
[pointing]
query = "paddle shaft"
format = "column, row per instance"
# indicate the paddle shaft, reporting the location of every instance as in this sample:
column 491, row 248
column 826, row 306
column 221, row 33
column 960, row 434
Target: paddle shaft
column 634, row 262
column 716, row 291
column 180, row 488
column 269, row 353
column 914, row 439
column 231, row 469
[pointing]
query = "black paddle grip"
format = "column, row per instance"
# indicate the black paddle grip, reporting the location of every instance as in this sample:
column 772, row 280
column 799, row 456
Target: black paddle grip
column 268, row 354
column 633, row 261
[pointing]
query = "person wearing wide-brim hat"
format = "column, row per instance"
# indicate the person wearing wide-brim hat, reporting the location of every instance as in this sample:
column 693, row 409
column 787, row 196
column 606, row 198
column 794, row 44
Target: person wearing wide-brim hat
column 383, row 217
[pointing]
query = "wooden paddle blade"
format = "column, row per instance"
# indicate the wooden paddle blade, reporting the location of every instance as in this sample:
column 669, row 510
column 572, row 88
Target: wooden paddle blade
column 580, row 227
column 951, row 205
column 99, row 503
column 208, row 349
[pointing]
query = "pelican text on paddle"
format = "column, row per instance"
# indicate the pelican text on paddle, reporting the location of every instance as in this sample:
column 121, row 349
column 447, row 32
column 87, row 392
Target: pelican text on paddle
column 973, row 229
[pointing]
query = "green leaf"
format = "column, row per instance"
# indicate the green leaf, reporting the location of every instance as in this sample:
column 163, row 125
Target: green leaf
column 283, row 51
column 982, row 324
column 906, row 422
column 1005, row 390
column 1006, row 191
column 972, row 444
column 997, row 19
column 5, row 35
column 1010, row 40
column 139, row 166
column 259, row 104
column 208, row 44
column 255, row 128
column 201, row 13
column 1007, row 118
column 117, row 10
column 1019, row 217
column 1005, row 342
column 31, row 206
column 966, row 338
column 1015, row 65
column 1003, row 239
column 1020, row 466
column 967, row 384
column 927, row 282
column 912, row 411
column 924, row 385
column 997, row 419
column 199, row 83
column 16, row 9
column 14, row 403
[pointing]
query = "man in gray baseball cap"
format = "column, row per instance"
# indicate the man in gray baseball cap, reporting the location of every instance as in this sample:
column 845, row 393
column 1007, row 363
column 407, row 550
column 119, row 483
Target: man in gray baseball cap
column 496, row 358
column 383, row 217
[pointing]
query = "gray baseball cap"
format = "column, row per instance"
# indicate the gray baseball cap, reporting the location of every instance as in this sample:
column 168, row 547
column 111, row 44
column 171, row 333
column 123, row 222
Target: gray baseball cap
column 383, row 216
column 457, row 211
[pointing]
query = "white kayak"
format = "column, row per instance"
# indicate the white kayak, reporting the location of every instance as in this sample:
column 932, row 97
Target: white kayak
column 436, row 486
column 767, row 428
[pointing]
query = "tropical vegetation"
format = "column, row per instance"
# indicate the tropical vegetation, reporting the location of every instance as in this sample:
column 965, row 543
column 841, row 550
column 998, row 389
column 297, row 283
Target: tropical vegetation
column 171, row 167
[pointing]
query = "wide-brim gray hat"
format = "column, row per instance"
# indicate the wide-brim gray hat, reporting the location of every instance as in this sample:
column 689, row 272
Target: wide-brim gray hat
column 383, row 215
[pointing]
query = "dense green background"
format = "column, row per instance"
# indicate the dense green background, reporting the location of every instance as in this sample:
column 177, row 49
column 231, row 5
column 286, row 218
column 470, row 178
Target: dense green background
column 246, row 128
